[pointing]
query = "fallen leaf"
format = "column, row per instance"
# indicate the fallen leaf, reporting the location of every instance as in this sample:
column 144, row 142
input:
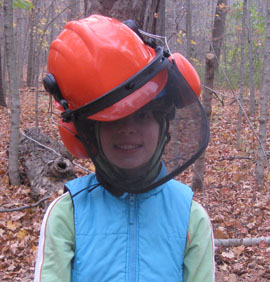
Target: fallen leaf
column 11, row 225
column 238, row 250
column 219, row 234
column 229, row 254
column 21, row 234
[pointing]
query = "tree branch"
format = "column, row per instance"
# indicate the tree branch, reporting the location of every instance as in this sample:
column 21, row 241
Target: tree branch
column 239, row 242
column 26, row 207
column 235, row 158
column 215, row 93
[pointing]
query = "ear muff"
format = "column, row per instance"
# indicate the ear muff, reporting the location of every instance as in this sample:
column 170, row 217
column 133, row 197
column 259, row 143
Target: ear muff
column 71, row 140
column 50, row 84
column 67, row 131
column 188, row 72
column 185, row 83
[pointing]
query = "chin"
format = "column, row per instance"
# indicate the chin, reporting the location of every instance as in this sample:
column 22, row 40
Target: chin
column 129, row 167
column 133, row 170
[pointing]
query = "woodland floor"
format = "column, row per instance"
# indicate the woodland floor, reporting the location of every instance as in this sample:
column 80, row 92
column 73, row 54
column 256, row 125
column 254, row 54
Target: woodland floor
column 236, row 208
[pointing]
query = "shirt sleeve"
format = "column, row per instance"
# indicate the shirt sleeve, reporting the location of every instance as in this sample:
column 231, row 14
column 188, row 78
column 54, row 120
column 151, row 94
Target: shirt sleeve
column 199, row 262
column 56, row 242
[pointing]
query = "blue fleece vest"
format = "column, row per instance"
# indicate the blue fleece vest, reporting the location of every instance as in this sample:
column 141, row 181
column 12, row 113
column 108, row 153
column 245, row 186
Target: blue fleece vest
column 134, row 238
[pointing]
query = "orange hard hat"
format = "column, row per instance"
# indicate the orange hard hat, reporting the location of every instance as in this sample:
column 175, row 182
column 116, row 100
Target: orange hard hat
column 94, row 55
column 100, row 69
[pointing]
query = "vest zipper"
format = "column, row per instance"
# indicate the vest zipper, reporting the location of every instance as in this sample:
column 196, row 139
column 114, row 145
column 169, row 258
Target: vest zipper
column 132, row 238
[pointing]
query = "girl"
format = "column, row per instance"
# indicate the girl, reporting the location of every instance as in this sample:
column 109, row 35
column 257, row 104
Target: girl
column 130, row 221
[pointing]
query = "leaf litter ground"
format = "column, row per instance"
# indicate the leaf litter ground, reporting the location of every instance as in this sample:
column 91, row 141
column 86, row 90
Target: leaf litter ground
column 236, row 208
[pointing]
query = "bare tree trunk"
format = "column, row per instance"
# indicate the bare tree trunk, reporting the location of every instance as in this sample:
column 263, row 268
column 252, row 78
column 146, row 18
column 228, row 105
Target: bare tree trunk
column 73, row 10
column 175, row 13
column 30, row 63
column 21, row 37
column 188, row 29
column 219, row 29
column 251, row 64
column 86, row 8
column 242, row 72
column 148, row 14
column 171, row 30
column 199, row 167
column 13, row 164
column 261, row 157
column 33, row 39
column 212, row 60
column 2, row 94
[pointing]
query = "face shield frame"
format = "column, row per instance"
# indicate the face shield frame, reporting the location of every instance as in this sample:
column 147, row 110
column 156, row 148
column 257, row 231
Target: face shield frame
column 128, row 87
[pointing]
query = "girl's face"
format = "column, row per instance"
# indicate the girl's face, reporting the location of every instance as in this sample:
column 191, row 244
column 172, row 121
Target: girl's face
column 129, row 143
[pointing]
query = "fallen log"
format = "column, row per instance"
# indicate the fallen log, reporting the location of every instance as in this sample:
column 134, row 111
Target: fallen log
column 239, row 242
column 46, row 163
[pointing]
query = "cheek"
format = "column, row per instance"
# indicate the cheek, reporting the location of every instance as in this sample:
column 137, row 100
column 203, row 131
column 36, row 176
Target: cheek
column 105, row 137
column 152, row 135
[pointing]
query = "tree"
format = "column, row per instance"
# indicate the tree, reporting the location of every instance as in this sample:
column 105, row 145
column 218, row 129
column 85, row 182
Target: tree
column 251, row 62
column 242, row 71
column 2, row 94
column 199, row 166
column 219, row 29
column 188, row 28
column 13, row 165
column 211, row 65
column 255, row 29
column 150, row 15
column 174, row 14
column 73, row 10
column 261, row 154
column 31, row 53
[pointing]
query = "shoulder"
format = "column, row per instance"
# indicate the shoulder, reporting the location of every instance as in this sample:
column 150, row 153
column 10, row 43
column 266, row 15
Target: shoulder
column 178, row 188
column 63, row 201
column 199, row 222
column 58, row 210
column 198, row 211
column 58, row 221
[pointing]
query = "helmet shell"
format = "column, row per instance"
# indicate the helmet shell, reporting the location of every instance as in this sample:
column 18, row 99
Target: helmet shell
column 96, row 54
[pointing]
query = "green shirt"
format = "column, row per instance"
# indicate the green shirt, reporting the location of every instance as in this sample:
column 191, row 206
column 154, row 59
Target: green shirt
column 57, row 244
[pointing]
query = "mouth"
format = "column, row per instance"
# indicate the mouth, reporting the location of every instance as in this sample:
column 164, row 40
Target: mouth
column 127, row 147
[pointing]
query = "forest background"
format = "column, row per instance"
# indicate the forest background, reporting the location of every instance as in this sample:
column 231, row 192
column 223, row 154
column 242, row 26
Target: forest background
column 227, row 41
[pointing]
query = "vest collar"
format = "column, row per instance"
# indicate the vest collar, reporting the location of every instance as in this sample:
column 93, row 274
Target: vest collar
column 163, row 172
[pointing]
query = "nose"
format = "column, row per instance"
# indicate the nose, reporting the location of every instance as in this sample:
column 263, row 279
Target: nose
column 127, row 126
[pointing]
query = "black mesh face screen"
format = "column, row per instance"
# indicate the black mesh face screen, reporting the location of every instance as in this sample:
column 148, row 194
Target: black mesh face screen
column 188, row 129
column 189, row 137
